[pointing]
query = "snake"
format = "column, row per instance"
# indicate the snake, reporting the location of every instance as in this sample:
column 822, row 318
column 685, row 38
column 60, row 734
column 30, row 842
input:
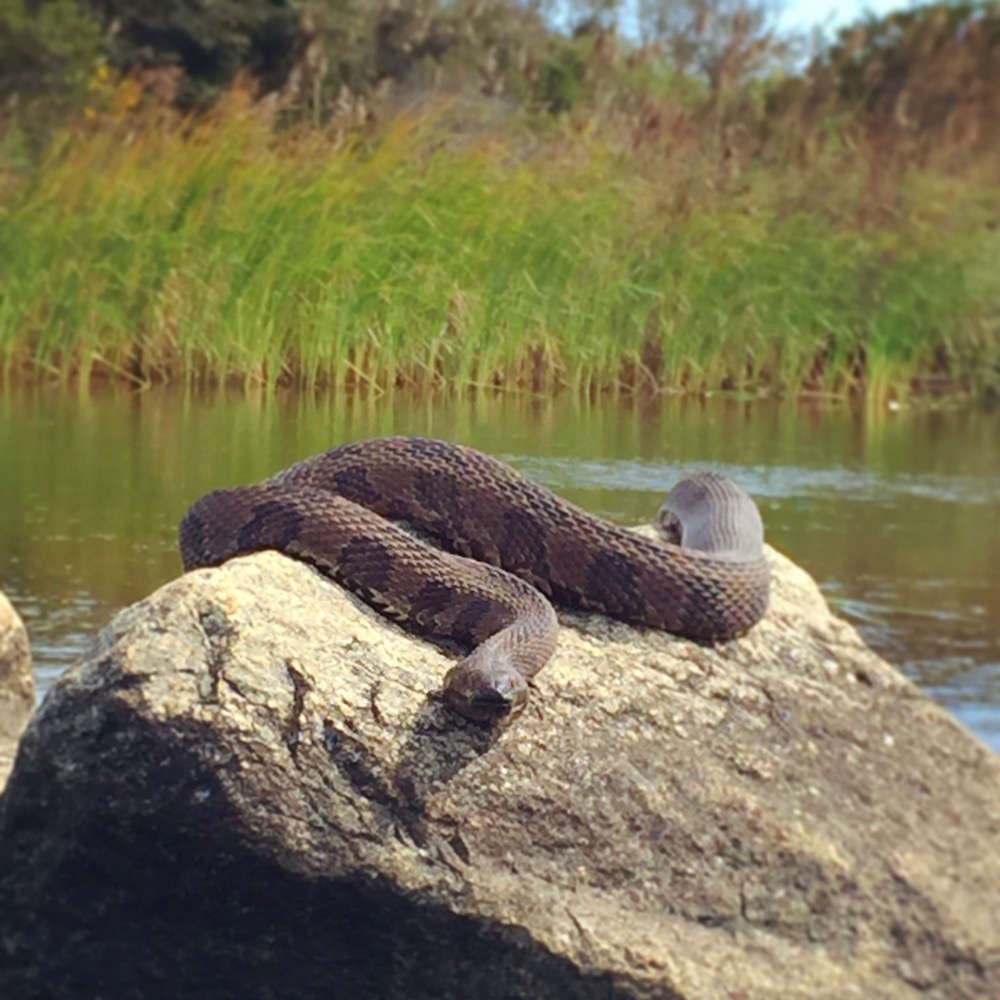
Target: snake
column 460, row 547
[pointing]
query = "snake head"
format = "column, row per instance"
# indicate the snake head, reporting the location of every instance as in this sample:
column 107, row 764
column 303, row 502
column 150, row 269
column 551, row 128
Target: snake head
column 485, row 691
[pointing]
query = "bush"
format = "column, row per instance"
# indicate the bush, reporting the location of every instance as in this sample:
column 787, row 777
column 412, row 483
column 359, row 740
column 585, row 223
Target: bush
column 210, row 40
column 49, row 51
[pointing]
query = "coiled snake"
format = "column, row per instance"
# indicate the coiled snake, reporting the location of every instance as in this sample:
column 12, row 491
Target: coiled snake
column 708, row 580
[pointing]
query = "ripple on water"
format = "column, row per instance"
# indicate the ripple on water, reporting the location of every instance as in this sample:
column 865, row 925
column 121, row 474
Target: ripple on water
column 60, row 631
column 771, row 481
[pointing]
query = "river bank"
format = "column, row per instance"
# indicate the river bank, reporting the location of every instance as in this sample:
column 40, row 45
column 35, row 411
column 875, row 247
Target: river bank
column 451, row 250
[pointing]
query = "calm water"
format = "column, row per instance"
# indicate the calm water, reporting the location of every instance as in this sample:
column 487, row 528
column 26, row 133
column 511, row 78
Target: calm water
column 895, row 514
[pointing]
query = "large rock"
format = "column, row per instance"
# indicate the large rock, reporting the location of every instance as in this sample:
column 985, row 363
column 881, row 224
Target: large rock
column 17, row 684
column 244, row 791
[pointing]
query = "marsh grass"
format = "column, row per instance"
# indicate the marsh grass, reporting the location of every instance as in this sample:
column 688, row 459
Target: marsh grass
column 161, row 249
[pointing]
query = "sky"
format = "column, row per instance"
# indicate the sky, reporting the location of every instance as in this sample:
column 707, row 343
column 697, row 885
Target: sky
column 806, row 14
column 797, row 15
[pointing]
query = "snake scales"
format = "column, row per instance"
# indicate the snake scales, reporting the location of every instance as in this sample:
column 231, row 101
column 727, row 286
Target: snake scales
column 709, row 579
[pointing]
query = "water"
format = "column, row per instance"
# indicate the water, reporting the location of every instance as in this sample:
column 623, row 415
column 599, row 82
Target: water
column 894, row 513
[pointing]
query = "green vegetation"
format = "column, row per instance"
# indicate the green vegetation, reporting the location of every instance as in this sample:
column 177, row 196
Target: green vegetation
column 46, row 59
column 630, row 221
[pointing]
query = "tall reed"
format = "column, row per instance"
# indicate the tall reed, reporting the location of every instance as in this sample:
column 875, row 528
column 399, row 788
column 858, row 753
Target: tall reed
column 155, row 247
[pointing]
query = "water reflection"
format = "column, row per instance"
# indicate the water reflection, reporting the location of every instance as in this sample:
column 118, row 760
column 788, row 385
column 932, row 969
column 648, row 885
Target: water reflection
column 892, row 512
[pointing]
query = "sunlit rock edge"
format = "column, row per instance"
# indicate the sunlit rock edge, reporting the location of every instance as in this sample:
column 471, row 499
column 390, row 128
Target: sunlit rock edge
column 17, row 684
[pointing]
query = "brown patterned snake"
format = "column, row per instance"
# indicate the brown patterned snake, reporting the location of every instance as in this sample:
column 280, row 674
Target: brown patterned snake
column 710, row 580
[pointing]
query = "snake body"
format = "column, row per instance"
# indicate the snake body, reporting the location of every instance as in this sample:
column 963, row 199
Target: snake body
column 507, row 547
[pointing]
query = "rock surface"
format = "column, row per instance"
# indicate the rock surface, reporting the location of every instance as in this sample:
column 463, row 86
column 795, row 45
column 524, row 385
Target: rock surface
column 244, row 791
column 17, row 685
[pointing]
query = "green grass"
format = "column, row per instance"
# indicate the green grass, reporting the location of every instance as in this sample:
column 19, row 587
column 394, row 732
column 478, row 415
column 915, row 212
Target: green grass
column 223, row 251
